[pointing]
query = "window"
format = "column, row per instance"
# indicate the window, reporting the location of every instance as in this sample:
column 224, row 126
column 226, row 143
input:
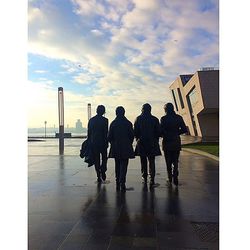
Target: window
column 193, row 96
column 174, row 100
column 180, row 98
column 185, row 79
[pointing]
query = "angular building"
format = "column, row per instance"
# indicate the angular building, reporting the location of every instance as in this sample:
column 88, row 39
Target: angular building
column 196, row 99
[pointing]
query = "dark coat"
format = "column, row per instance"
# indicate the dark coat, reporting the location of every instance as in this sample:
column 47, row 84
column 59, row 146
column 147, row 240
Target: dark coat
column 121, row 137
column 98, row 133
column 172, row 126
column 147, row 133
column 87, row 153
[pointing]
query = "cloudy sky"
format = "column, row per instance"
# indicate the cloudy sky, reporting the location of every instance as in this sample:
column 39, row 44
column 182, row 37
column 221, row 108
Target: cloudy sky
column 114, row 52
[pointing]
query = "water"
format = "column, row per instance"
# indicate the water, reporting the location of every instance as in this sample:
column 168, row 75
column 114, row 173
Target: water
column 37, row 134
column 51, row 146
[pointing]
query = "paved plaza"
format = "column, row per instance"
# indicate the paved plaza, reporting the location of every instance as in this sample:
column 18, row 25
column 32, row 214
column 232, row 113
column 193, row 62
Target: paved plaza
column 68, row 210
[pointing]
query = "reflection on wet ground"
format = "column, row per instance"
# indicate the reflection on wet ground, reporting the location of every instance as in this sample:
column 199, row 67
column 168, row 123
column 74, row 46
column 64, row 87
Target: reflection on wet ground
column 50, row 146
column 69, row 210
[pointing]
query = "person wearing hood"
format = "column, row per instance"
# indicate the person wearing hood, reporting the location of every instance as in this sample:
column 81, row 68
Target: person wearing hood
column 121, row 136
column 172, row 126
column 147, row 133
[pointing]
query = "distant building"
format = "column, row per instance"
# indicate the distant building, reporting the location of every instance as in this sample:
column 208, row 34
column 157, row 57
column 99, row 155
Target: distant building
column 79, row 127
column 196, row 99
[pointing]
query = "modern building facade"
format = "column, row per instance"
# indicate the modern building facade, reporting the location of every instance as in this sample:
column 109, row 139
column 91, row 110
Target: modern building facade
column 196, row 99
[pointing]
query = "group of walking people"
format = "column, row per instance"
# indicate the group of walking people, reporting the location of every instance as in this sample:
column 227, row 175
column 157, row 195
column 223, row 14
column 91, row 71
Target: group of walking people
column 146, row 130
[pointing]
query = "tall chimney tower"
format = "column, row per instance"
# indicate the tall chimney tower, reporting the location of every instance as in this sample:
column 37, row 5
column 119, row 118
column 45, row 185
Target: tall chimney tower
column 61, row 120
column 89, row 111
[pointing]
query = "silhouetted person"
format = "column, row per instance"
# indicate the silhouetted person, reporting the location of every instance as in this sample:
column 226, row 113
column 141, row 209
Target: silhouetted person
column 121, row 137
column 97, row 134
column 172, row 126
column 147, row 133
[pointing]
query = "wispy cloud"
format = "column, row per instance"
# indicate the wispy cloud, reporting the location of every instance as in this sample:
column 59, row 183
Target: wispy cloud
column 40, row 71
column 126, row 51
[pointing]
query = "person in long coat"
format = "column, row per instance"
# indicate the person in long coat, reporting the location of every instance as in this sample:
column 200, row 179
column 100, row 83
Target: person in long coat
column 98, row 139
column 147, row 133
column 121, row 138
column 172, row 126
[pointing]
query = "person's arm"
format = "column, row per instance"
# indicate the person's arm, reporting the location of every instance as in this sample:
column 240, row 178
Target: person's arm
column 163, row 130
column 106, row 130
column 131, row 132
column 182, row 128
column 89, row 129
column 136, row 129
column 110, row 133
column 157, row 128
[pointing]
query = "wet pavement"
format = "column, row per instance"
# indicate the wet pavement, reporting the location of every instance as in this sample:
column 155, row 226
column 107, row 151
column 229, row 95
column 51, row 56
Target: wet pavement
column 68, row 210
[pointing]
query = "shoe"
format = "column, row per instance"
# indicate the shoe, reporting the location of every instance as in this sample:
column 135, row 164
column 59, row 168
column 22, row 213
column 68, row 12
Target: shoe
column 176, row 181
column 99, row 180
column 144, row 180
column 118, row 186
column 123, row 188
column 169, row 182
column 145, row 187
column 170, row 178
column 103, row 176
column 152, row 182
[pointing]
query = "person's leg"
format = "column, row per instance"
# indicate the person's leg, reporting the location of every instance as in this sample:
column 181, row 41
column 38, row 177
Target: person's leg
column 144, row 168
column 117, row 173
column 167, row 155
column 151, row 160
column 97, row 166
column 123, row 173
column 176, row 155
column 104, row 164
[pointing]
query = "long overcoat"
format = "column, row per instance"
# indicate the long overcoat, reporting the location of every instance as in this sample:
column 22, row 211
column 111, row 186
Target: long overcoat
column 172, row 126
column 121, row 136
column 98, row 133
column 147, row 133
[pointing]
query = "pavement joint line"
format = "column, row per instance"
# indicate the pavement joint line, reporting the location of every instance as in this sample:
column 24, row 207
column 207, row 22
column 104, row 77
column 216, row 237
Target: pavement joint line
column 199, row 152
column 79, row 220
column 115, row 224
column 75, row 173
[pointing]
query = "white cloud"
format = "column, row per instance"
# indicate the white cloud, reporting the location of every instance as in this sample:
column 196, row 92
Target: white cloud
column 88, row 7
column 158, row 70
column 35, row 14
column 136, row 23
column 83, row 78
column 40, row 71
column 97, row 32
column 136, row 48
column 147, row 5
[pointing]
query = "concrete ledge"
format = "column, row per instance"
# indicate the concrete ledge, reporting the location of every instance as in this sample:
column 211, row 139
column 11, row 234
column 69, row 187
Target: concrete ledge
column 196, row 151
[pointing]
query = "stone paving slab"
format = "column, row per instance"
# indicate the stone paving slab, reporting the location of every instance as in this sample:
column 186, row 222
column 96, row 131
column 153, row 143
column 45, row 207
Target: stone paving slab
column 69, row 210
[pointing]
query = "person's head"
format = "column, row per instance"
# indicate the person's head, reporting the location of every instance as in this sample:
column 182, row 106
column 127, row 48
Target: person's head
column 100, row 110
column 146, row 108
column 169, row 108
column 120, row 111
